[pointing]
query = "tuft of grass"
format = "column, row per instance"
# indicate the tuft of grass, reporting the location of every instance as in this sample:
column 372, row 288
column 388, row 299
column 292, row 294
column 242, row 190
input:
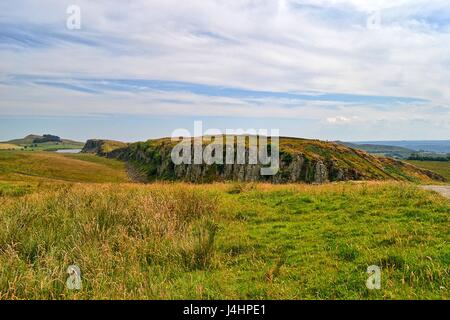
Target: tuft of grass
column 118, row 237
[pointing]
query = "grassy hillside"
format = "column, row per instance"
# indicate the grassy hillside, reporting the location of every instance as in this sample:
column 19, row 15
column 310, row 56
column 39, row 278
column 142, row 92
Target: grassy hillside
column 46, row 166
column 26, row 140
column 225, row 241
column 301, row 160
column 441, row 167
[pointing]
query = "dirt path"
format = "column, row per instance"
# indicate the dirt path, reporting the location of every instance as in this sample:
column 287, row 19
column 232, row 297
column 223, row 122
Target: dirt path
column 443, row 190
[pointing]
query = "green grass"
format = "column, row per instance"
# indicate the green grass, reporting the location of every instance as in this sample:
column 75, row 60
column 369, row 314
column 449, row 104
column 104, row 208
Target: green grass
column 49, row 166
column 441, row 167
column 50, row 146
column 213, row 241
column 225, row 241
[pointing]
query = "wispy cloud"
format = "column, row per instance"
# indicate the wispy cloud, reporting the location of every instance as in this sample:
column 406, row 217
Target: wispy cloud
column 286, row 59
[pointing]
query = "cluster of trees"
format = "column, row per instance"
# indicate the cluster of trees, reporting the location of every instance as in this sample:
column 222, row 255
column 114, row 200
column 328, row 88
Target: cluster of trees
column 47, row 138
column 425, row 157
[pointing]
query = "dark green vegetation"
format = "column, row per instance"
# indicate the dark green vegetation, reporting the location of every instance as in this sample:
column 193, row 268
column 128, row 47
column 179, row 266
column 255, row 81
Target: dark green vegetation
column 249, row 241
column 301, row 160
column 425, row 157
column 41, row 143
column 47, row 138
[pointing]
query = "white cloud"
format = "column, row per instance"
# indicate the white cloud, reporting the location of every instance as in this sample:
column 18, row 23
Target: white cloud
column 339, row 120
column 297, row 45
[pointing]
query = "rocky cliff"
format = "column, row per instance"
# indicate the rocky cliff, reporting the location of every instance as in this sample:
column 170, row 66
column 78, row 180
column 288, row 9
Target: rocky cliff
column 300, row 160
column 105, row 148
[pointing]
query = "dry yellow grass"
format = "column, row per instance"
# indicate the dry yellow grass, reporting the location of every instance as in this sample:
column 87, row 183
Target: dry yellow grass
column 8, row 146
column 49, row 166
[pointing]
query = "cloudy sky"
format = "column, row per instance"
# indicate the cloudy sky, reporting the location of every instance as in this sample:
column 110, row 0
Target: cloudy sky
column 328, row 69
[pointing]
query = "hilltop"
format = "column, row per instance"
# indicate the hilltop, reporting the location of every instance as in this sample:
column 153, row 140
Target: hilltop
column 301, row 160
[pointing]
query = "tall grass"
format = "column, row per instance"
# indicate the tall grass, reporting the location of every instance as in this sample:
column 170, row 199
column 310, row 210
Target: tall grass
column 224, row 241
column 120, row 238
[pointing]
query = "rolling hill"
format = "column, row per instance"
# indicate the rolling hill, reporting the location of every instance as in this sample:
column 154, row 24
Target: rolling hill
column 437, row 146
column 382, row 150
column 35, row 142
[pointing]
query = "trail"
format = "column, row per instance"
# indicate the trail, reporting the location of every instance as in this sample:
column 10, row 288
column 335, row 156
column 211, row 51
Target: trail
column 443, row 190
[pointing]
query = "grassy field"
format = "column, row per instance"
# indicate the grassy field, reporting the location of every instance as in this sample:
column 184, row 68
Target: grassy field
column 23, row 166
column 441, row 167
column 8, row 146
column 50, row 146
column 223, row 241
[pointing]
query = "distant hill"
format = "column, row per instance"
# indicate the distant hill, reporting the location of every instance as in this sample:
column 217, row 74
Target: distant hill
column 301, row 160
column 34, row 142
column 382, row 150
column 24, row 141
column 31, row 138
column 438, row 146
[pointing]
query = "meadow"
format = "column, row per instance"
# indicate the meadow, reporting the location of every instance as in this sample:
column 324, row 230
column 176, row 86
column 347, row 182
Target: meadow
column 34, row 167
column 214, row 241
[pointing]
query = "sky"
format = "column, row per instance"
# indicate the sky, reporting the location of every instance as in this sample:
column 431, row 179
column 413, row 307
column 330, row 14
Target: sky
column 326, row 69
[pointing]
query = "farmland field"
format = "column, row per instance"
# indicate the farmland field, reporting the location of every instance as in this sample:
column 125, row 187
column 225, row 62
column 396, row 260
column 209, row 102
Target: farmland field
column 223, row 240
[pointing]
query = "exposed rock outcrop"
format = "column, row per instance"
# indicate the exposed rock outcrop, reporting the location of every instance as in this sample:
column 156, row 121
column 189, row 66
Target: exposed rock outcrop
column 301, row 160
column 105, row 148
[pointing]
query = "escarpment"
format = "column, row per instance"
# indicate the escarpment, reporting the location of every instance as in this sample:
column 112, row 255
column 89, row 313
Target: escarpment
column 300, row 160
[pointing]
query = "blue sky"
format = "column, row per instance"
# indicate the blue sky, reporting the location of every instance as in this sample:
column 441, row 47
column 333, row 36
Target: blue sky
column 315, row 69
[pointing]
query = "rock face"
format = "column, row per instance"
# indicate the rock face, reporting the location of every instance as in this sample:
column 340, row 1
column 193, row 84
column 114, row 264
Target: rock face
column 104, row 148
column 301, row 160
column 93, row 146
